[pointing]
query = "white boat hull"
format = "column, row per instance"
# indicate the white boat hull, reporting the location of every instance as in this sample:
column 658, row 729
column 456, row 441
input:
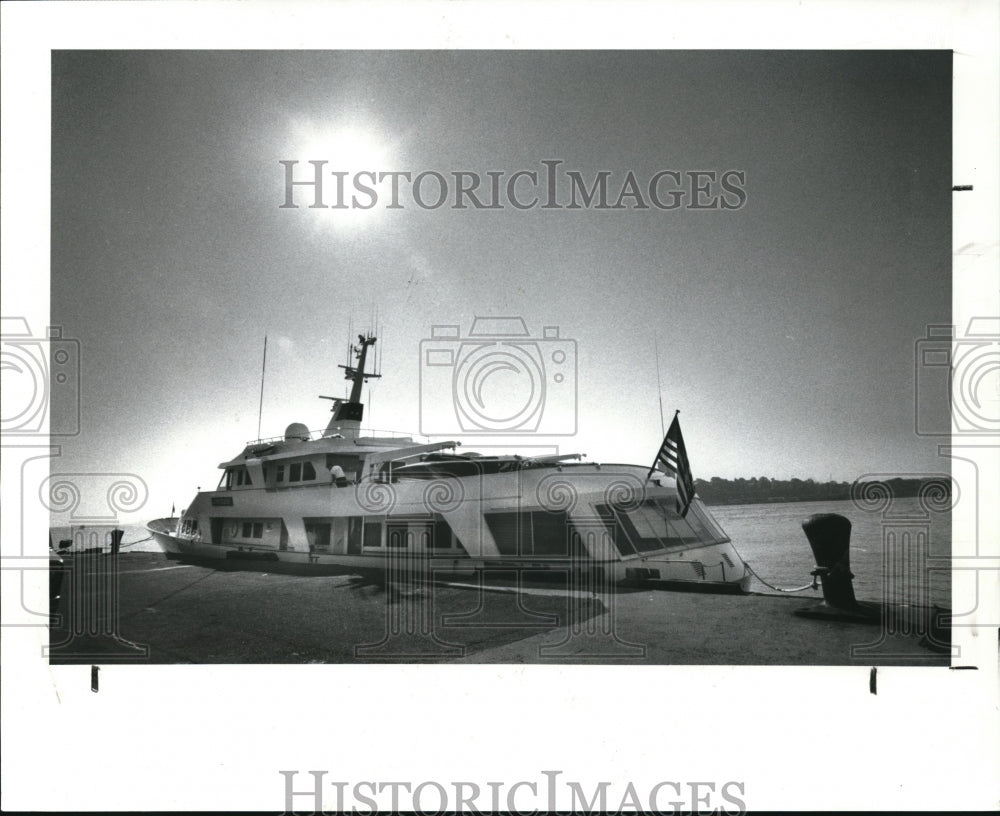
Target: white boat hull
column 712, row 566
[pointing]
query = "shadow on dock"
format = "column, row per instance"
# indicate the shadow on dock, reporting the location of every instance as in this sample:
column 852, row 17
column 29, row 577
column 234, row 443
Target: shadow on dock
column 141, row 608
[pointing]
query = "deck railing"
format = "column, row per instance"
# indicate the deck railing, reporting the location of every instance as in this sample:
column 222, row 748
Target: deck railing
column 363, row 433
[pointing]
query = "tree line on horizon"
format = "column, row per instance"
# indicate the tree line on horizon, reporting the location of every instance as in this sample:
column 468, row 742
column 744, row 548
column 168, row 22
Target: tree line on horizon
column 759, row 490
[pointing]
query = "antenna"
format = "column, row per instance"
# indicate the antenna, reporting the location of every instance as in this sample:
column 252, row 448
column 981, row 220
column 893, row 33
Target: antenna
column 263, row 368
column 350, row 333
column 659, row 389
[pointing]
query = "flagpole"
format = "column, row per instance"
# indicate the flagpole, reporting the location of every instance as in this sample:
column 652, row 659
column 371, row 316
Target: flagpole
column 263, row 368
column 659, row 387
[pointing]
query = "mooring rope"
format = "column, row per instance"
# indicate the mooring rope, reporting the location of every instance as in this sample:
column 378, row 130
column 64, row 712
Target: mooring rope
column 139, row 541
column 813, row 585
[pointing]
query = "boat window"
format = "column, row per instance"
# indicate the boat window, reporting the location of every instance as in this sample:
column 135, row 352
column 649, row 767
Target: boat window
column 682, row 531
column 533, row 533
column 354, row 524
column 308, row 471
column 698, row 525
column 711, row 528
column 642, row 525
column 373, row 533
column 511, row 531
column 243, row 476
column 615, row 530
column 279, row 473
column 436, row 533
column 550, row 534
column 295, row 472
column 443, row 537
column 651, row 526
column 349, row 464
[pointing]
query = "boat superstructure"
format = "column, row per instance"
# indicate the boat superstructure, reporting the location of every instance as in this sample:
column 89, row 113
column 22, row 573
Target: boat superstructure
column 344, row 500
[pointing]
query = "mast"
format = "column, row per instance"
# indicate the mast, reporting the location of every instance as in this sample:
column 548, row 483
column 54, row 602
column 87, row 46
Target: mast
column 347, row 416
column 263, row 371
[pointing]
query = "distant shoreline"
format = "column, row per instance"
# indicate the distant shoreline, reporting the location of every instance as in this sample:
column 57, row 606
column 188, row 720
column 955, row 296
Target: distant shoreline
column 762, row 490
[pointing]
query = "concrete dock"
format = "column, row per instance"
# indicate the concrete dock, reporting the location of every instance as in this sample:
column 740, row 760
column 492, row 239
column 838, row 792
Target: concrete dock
column 143, row 608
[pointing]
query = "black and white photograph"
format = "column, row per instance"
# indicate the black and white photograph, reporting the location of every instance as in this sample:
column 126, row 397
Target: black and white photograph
column 541, row 416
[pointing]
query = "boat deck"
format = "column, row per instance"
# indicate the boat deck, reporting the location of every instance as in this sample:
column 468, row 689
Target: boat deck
column 144, row 608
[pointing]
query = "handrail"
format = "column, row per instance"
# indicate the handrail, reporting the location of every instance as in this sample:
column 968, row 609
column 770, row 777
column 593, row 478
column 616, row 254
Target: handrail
column 319, row 434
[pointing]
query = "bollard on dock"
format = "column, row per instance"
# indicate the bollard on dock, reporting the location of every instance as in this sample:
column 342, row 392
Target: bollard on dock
column 829, row 537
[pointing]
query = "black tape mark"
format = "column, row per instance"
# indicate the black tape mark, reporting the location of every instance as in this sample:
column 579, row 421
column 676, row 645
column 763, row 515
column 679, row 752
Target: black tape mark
column 94, row 672
column 871, row 681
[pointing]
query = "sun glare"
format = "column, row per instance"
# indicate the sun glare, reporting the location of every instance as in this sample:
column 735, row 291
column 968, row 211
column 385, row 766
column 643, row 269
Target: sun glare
column 355, row 156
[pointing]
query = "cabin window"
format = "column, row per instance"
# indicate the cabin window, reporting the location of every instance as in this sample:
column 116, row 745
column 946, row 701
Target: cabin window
column 637, row 531
column 444, row 537
column 615, row 530
column 252, row 529
column 354, row 525
column 348, row 464
column 297, row 472
column 650, row 526
column 243, row 477
column 703, row 524
column 538, row 533
column 550, row 534
column 649, row 521
column 509, row 530
column 683, row 532
column 373, row 533
column 318, row 536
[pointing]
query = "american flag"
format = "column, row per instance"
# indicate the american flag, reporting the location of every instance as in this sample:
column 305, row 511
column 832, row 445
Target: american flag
column 672, row 459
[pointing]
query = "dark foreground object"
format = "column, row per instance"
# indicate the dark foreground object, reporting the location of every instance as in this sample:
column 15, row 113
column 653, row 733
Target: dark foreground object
column 829, row 536
column 143, row 608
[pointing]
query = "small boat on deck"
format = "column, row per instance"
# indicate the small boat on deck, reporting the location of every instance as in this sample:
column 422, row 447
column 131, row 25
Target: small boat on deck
column 347, row 500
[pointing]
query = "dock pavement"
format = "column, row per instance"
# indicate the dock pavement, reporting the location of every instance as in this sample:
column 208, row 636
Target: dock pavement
column 144, row 608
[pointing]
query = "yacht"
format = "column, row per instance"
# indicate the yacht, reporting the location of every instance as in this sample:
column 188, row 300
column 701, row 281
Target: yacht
column 350, row 500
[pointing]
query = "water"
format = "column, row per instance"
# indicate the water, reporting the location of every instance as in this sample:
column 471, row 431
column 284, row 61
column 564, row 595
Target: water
column 770, row 539
column 891, row 552
column 136, row 538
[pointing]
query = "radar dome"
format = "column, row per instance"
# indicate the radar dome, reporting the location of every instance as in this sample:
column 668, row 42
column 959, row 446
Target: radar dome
column 296, row 431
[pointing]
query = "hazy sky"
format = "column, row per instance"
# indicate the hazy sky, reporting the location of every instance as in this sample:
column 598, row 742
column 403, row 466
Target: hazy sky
column 786, row 328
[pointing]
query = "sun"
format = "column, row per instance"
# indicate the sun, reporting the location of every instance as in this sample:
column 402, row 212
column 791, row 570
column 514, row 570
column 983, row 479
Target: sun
column 340, row 173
